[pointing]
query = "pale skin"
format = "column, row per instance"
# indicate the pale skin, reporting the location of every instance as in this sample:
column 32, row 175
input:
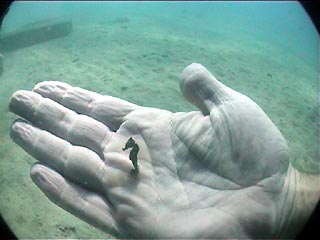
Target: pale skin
column 220, row 172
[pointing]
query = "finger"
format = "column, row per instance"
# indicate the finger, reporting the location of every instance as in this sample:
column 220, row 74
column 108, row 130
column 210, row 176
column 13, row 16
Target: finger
column 78, row 164
column 46, row 114
column 80, row 202
column 202, row 89
column 106, row 109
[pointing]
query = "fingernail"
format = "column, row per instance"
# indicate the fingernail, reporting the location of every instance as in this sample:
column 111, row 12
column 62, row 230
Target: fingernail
column 21, row 132
column 49, row 181
column 23, row 102
column 51, row 89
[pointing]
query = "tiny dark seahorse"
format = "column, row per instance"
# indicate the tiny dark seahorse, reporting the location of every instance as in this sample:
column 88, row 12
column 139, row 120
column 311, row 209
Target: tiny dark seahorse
column 133, row 156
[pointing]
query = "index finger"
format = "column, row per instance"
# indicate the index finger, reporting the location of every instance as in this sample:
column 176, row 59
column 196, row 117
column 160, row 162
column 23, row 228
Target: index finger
column 106, row 109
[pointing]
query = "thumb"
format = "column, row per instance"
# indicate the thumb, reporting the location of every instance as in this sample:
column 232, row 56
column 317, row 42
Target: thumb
column 202, row 89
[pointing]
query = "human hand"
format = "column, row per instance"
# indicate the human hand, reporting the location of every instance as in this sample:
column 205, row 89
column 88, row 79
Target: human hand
column 214, row 173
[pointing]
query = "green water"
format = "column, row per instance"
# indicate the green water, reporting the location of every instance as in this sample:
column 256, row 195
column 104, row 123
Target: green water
column 136, row 51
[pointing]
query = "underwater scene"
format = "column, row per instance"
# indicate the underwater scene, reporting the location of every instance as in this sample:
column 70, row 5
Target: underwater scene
column 138, row 52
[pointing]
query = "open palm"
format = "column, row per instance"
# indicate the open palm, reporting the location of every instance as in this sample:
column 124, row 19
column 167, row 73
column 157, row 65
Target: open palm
column 213, row 173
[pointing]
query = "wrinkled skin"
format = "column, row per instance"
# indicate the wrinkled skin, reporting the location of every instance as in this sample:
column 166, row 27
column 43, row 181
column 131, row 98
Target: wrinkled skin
column 221, row 172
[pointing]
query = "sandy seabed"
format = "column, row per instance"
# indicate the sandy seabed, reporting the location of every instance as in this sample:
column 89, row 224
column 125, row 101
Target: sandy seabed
column 118, row 58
